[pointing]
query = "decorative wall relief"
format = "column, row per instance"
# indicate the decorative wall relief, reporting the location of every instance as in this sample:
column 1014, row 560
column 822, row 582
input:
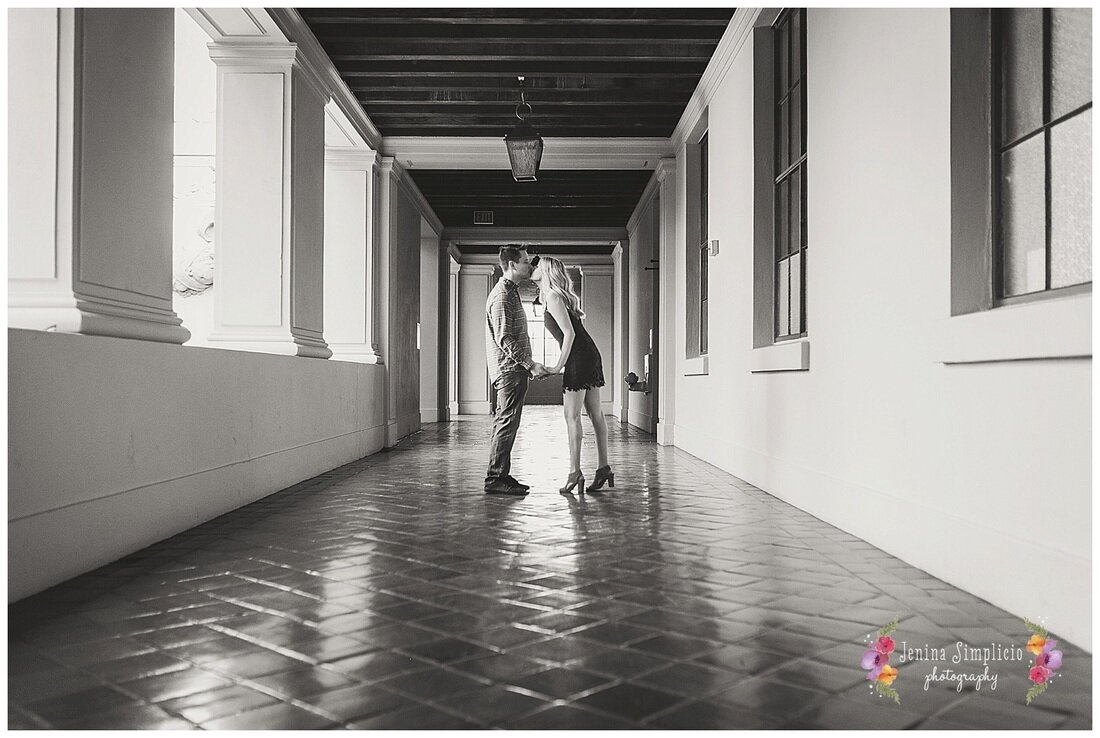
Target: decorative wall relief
column 197, row 275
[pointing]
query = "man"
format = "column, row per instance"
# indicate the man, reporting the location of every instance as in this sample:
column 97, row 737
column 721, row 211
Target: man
column 508, row 352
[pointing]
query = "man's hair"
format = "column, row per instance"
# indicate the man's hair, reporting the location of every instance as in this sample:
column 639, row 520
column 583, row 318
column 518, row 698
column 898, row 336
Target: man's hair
column 511, row 252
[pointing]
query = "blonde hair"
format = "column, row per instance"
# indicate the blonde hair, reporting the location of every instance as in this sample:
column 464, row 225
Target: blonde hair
column 561, row 283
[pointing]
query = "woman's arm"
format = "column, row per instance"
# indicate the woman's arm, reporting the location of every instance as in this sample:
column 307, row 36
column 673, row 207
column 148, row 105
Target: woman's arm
column 556, row 305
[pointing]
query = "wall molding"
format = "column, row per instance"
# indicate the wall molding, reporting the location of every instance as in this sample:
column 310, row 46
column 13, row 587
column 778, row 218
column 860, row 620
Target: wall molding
column 291, row 23
column 737, row 33
column 652, row 188
column 473, row 407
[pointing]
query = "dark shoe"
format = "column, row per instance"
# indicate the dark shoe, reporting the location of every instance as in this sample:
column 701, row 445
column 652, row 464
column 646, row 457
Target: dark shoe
column 575, row 478
column 504, row 487
column 603, row 474
column 516, row 482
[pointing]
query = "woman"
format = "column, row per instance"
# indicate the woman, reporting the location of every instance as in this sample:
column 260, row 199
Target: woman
column 582, row 365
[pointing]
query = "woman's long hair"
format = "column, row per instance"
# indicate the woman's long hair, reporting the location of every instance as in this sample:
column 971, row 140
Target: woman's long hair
column 561, row 283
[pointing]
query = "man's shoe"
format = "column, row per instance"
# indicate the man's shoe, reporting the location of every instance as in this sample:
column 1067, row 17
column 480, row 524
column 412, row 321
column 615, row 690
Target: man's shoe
column 504, row 487
column 516, row 482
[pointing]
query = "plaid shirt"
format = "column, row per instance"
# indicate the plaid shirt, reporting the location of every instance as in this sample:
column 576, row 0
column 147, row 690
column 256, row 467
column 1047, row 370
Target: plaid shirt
column 507, row 345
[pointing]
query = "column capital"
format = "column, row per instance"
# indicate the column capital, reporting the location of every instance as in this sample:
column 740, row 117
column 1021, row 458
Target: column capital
column 476, row 270
column 664, row 168
column 253, row 57
column 340, row 157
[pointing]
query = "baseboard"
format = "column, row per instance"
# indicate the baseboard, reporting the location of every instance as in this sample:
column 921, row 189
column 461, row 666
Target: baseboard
column 52, row 546
column 431, row 415
column 608, row 408
column 938, row 542
column 478, row 407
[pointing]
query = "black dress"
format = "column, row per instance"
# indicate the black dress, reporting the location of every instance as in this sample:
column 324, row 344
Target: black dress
column 584, row 367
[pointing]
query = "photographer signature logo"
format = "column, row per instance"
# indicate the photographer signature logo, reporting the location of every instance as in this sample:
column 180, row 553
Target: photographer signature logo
column 876, row 660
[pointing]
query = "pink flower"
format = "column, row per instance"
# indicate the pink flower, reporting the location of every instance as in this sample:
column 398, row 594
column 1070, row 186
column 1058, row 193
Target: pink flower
column 885, row 644
column 1051, row 660
column 1039, row 674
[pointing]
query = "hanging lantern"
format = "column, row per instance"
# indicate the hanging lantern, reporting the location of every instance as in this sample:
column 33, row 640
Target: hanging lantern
column 524, row 145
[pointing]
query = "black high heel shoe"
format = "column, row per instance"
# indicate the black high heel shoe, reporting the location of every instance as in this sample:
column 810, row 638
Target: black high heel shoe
column 603, row 474
column 575, row 478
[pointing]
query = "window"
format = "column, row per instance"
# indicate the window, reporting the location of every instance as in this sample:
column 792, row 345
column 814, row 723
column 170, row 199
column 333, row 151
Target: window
column 780, row 193
column 697, row 257
column 544, row 347
column 1021, row 153
column 1042, row 162
column 704, row 246
column 789, row 125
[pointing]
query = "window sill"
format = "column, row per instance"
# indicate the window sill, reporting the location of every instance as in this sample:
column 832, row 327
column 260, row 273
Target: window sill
column 1047, row 329
column 696, row 366
column 789, row 356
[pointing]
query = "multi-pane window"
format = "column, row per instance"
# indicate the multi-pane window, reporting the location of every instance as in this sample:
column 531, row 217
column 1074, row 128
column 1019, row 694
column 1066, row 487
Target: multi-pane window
column 790, row 174
column 704, row 247
column 544, row 347
column 1042, row 134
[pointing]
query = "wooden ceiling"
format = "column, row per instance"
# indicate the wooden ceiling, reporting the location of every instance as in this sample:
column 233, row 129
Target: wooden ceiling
column 571, row 198
column 618, row 72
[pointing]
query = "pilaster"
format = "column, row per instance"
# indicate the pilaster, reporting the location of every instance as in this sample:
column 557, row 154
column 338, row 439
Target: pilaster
column 351, row 182
column 452, row 333
column 90, row 146
column 474, row 284
column 269, row 201
column 666, row 352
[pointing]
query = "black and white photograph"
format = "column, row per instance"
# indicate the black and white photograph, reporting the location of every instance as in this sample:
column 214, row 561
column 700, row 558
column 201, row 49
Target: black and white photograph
column 428, row 368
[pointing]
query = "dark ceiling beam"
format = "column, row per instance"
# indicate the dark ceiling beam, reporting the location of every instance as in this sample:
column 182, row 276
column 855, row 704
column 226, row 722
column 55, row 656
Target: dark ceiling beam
column 563, row 132
column 614, row 33
column 579, row 83
column 524, row 16
column 506, row 110
column 370, row 49
column 430, row 99
column 518, row 66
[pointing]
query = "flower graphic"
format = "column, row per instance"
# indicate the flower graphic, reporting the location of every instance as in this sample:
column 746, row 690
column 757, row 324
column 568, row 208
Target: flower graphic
column 1048, row 659
column 876, row 660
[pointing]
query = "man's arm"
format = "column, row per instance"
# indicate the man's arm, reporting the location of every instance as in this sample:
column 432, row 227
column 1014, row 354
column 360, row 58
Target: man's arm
column 508, row 343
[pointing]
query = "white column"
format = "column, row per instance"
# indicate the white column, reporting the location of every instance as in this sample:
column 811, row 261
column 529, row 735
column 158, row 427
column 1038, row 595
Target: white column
column 90, row 172
column 350, row 215
column 473, row 374
column 666, row 352
column 269, row 212
column 429, row 324
column 622, row 329
column 452, row 338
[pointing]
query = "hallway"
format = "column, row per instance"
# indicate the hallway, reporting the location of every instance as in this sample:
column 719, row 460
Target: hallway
column 392, row 593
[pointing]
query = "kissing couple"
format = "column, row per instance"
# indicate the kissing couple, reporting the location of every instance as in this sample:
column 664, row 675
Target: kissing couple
column 508, row 353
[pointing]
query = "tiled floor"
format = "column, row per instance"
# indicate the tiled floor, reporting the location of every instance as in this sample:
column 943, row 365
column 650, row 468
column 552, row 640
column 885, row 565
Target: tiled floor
column 393, row 593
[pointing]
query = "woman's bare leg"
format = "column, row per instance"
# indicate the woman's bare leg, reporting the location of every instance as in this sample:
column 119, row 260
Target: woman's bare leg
column 573, row 402
column 594, row 406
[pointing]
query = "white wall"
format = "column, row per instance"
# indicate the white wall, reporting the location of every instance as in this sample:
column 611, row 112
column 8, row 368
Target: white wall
column 115, row 444
column 431, row 403
column 978, row 474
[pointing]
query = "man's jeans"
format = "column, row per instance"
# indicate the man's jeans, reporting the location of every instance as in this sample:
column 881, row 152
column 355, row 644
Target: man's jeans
column 511, row 390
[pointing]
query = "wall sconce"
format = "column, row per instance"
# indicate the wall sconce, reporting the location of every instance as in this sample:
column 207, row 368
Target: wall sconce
column 524, row 145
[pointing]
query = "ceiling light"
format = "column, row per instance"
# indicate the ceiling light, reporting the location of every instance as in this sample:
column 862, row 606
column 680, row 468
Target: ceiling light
column 524, row 145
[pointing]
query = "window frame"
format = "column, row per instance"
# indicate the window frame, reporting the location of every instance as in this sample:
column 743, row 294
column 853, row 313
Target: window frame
column 1057, row 324
column 703, row 242
column 767, row 354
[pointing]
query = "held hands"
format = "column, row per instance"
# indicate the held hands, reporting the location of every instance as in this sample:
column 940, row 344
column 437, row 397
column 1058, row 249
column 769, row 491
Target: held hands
column 538, row 371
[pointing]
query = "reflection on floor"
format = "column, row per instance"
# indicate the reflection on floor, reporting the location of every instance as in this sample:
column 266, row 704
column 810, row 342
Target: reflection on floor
column 393, row 593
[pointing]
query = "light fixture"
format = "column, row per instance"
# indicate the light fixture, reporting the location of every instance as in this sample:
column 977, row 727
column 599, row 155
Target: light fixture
column 524, row 145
